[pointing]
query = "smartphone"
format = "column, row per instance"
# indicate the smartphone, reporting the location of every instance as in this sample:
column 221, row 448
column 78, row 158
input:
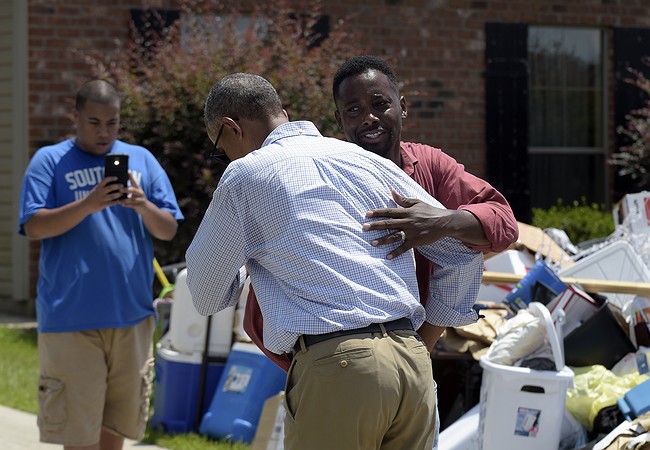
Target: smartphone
column 117, row 165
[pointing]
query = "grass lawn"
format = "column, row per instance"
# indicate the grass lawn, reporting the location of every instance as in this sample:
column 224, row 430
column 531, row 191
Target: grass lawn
column 19, row 369
column 19, row 375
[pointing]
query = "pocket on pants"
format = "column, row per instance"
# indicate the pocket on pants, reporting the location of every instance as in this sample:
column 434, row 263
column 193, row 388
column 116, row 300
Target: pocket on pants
column 52, row 411
column 146, row 390
column 288, row 385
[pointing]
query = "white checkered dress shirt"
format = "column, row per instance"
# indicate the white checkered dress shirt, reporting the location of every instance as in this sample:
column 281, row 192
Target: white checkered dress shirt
column 292, row 212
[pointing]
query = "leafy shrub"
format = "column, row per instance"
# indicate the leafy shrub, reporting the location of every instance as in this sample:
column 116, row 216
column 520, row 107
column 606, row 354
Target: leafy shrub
column 633, row 159
column 580, row 221
column 165, row 78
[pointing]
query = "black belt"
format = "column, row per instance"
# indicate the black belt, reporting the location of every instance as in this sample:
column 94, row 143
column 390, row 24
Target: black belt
column 393, row 325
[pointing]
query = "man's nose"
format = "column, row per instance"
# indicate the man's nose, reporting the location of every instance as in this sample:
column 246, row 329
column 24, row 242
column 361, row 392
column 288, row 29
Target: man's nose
column 370, row 118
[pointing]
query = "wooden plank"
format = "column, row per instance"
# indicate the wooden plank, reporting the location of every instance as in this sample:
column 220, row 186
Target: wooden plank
column 590, row 285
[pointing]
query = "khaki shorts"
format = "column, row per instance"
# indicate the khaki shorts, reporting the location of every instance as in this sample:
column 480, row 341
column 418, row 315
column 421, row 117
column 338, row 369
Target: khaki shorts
column 93, row 379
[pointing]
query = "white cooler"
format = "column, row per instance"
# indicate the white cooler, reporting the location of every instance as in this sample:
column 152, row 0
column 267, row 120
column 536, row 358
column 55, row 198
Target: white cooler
column 187, row 328
column 523, row 408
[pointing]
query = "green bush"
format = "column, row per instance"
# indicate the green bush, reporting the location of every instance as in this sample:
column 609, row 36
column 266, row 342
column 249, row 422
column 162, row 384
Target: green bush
column 166, row 77
column 580, row 221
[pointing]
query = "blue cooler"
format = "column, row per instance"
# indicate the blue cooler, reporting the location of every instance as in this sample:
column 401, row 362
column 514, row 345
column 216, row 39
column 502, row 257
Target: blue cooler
column 248, row 379
column 177, row 387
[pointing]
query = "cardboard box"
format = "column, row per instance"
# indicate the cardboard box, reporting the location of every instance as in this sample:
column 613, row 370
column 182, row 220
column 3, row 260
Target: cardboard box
column 270, row 430
column 536, row 240
column 633, row 212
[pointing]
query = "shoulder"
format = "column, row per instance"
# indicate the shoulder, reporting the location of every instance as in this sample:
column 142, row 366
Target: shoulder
column 138, row 155
column 51, row 154
column 421, row 151
column 428, row 156
column 125, row 147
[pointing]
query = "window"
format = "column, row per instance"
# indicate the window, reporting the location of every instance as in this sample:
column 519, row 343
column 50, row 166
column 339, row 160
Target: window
column 567, row 151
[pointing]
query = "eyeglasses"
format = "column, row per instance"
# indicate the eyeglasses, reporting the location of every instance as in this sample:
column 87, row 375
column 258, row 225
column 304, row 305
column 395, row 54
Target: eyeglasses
column 218, row 154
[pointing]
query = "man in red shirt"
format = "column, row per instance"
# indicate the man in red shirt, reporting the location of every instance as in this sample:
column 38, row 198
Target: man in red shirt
column 370, row 111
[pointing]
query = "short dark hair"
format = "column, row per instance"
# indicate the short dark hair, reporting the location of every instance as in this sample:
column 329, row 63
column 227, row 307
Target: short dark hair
column 97, row 91
column 241, row 95
column 361, row 64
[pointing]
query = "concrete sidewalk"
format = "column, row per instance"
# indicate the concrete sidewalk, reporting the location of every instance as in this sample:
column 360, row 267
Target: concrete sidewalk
column 19, row 432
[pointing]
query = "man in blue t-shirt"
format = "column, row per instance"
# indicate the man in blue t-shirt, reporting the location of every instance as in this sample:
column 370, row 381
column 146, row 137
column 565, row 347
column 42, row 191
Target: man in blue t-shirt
column 94, row 300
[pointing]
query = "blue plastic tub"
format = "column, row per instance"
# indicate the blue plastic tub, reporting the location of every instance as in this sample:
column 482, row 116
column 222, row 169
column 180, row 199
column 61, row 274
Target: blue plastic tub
column 248, row 379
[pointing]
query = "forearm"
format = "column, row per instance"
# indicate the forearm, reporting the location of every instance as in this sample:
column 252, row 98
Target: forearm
column 430, row 334
column 160, row 223
column 465, row 227
column 47, row 223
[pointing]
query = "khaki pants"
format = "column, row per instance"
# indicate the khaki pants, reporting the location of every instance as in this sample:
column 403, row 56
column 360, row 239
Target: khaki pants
column 361, row 392
column 93, row 379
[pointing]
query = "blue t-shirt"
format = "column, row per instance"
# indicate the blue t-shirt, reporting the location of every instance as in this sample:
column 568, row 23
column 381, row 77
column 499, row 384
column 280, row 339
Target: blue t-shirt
column 99, row 274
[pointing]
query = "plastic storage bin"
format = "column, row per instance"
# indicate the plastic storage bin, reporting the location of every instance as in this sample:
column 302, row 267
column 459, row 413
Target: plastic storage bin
column 177, row 386
column 617, row 261
column 541, row 284
column 248, row 379
column 523, row 408
column 599, row 340
column 187, row 327
column 463, row 433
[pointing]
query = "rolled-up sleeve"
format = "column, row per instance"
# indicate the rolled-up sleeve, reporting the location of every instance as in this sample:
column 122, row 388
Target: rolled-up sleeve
column 446, row 180
column 454, row 284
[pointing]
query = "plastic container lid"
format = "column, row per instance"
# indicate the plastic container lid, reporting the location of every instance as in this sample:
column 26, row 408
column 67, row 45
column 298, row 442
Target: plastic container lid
column 247, row 347
column 542, row 312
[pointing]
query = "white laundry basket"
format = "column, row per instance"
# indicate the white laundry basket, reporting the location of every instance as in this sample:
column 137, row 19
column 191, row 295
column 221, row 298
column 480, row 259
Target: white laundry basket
column 523, row 408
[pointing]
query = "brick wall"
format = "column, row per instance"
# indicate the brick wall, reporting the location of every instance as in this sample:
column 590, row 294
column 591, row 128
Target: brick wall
column 440, row 45
column 437, row 45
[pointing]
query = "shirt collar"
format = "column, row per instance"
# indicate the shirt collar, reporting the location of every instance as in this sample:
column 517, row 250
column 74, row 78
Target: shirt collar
column 291, row 129
column 409, row 159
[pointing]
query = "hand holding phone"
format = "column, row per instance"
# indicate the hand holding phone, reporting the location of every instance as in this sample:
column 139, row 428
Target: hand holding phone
column 117, row 165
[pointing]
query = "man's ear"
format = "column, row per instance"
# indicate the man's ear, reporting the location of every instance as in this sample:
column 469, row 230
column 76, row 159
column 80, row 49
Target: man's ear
column 337, row 116
column 234, row 125
column 402, row 104
column 74, row 117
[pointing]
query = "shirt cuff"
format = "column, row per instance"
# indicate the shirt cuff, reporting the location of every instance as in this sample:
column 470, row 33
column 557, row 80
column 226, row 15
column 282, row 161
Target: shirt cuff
column 441, row 315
